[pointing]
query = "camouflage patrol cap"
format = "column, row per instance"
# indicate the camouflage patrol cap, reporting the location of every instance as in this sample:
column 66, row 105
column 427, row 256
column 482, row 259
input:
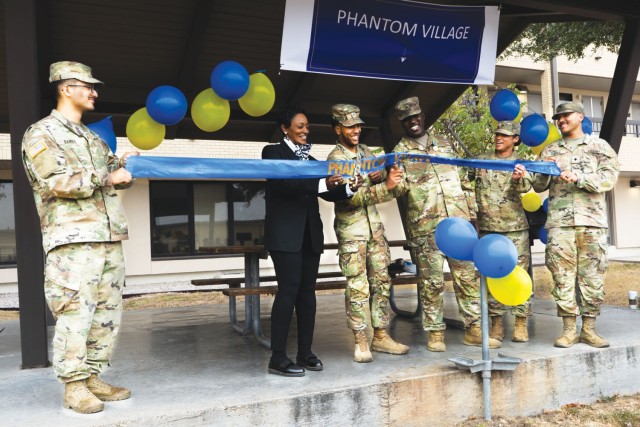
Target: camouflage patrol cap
column 408, row 107
column 346, row 114
column 568, row 107
column 71, row 70
column 508, row 128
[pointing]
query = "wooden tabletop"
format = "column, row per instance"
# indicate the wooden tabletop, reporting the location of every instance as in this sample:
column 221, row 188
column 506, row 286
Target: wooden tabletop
column 232, row 250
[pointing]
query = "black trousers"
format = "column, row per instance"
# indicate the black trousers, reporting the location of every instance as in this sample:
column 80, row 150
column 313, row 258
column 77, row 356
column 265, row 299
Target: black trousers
column 296, row 273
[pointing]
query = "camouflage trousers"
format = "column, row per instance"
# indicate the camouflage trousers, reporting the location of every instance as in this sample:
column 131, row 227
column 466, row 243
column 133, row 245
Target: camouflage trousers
column 577, row 255
column 83, row 288
column 430, row 262
column 521, row 240
column 365, row 265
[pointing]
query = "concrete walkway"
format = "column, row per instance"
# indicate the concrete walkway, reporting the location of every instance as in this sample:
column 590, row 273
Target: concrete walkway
column 187, row 367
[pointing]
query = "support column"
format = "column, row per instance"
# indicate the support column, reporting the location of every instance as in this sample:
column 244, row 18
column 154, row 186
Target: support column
column 23, row 82
column 624, row 80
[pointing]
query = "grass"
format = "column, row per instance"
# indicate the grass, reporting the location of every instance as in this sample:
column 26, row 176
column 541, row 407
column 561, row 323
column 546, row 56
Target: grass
column 609, row 411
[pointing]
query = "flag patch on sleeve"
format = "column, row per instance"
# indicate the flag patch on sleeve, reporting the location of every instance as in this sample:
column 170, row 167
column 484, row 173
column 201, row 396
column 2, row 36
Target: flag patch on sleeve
column 36, row 149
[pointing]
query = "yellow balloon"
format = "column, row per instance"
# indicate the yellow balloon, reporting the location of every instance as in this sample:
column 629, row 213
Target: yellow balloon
column 513, row 289
column 210, row 112
column 144, row 132
column 554, row 134
column 531, row 202
column 260, row 97
column 519, row 116
column 538, row 148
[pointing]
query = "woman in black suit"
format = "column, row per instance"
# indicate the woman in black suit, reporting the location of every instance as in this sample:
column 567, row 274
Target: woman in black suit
column 294, row 238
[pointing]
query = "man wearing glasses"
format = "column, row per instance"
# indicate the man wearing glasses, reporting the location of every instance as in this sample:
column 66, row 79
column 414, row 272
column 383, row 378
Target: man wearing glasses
column 74, row 176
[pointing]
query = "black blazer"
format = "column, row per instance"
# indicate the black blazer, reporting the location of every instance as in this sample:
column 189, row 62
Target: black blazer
column 292, row 203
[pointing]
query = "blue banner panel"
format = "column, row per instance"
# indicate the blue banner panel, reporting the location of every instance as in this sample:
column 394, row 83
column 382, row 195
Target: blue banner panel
column 393, row 39
column 233, row 169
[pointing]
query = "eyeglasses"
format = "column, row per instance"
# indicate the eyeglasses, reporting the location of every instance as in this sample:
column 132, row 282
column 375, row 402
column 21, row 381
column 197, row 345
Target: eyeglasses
column 92, row 88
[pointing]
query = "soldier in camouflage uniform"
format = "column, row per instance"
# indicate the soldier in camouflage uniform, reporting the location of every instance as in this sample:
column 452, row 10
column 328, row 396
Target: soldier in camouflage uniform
column 434, row 192
column 74, row 177
column 577, row 223
column 362, row 246
column 499, row 210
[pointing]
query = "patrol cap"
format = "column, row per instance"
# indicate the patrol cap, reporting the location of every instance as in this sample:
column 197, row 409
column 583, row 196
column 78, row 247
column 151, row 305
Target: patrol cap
column 508, row 128
column 71, row 70
column 346, row 114
column 568, row 107
column 408, row 107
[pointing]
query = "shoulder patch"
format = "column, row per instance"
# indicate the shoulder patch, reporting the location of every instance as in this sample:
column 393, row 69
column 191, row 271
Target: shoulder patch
column 37, row 149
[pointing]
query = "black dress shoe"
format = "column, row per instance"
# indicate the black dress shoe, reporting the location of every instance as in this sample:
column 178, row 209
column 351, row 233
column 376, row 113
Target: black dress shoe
column 311, row 363
column 286, row 369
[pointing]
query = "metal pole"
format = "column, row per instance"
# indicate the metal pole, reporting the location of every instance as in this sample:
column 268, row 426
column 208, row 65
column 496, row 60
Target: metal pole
column 486, row 371
column 555, row 91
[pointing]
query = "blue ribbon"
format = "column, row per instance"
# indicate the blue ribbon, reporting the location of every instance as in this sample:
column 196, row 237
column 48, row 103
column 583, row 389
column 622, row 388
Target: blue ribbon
column 199, row 168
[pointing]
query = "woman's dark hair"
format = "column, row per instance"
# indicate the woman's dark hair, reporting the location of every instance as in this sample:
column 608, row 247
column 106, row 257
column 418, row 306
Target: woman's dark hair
column 286, row 115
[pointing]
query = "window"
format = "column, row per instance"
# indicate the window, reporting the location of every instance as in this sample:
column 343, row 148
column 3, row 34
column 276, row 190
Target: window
column 7, row 225
column 592, row 106
column 534, row 103
column 186, row 216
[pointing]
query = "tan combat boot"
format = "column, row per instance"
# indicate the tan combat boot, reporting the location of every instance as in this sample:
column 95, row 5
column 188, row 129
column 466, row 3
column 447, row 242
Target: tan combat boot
column 497, row 328
column 106, row 392
column 520, row 332
column 362, row 353
column 473, row 336
column 569, row 334
column 588, row 335
column 78, row 398
column 385, row 344
column 436, row 341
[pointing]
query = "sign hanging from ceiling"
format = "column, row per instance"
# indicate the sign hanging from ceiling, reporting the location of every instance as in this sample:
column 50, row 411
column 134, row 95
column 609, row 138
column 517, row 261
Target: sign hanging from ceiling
column 391, row 39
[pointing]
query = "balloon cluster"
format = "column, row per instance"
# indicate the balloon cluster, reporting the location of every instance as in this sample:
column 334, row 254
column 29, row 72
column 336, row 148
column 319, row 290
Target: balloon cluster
column 210, row 111
column 535, row 131
column 494, row 255
column 531, row 202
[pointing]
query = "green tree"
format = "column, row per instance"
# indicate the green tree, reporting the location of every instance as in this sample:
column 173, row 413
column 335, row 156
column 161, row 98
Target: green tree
column 571, row 39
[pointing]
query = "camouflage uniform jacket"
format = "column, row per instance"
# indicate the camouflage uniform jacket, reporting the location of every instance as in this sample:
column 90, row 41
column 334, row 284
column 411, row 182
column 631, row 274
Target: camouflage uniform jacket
column 357, row 217
column 581, row 203
column 434, row 191
column 68, row 167
column 498, row 197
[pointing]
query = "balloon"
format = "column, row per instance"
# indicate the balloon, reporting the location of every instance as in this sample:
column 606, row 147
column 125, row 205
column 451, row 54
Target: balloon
column 210, row 112
column 456, row 237
column 512, row 289
column 504, row 105
column 542, row 235
column 166, row 105
column 260, row 97
column 229, row 80
column 144, row 132
column 534, row 129
column 104, row 129
column 545, row 205
column 495, row 255
column 538, row 148
column 518, row 118
column 531, row 202
column 587, row 126
column 554, row 134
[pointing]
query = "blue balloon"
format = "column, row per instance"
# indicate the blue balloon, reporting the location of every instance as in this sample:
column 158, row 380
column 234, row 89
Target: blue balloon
column 587, row 126
column 229, row 80
column 504, row 105
column 495, row 256
column 542, row 235
column 166, row 105
column 456, row 237
column 534, row 129
column 104, row 129
column 545, row 205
